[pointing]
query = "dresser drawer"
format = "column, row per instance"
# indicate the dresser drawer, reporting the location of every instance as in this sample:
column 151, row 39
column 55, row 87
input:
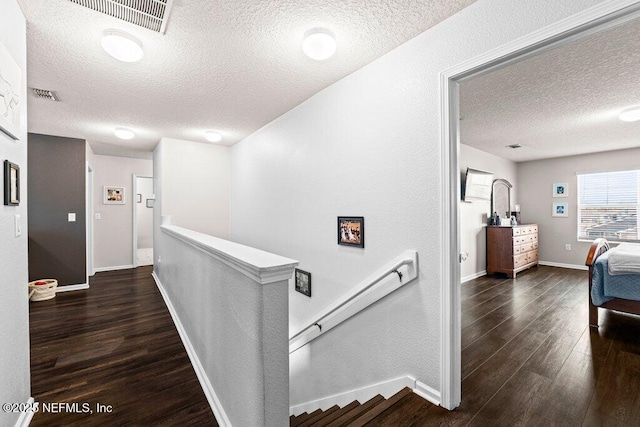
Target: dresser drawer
column 519, row 260
column 517, row 231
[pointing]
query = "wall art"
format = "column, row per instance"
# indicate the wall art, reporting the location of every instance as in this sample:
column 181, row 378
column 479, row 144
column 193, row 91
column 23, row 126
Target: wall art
column 351, row 231
column 303, row 282
column 560, row 190
column 560, row 210
column 11, row 184
column 10, row 91
column 113, row 195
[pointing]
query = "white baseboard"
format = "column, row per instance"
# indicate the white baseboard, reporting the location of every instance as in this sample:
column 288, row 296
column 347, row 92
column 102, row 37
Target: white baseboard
column 427, row 393
column 209, row 392
column 473, row 276
column 113, row 268
column 67, row 288
column 559, row 264
column 25, row 417
column 386, row 389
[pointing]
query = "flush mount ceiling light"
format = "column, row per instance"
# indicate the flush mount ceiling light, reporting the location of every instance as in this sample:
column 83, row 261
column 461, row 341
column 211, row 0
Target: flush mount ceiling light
column 123, row 133
column 630, row 115
column 319, row 44
column 122, row 46
column 212, row 136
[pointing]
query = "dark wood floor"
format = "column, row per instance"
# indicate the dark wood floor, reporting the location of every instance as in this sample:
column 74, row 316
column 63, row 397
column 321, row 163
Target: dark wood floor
column 113, row 344
column 530, row 359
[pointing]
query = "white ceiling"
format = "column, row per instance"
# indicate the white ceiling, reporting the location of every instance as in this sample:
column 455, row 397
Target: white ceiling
column 562, row 102
column 231, row 66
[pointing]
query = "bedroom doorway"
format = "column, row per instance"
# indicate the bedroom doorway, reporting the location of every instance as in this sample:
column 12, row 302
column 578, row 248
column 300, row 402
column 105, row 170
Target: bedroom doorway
column 581, row 25
column 142, row 220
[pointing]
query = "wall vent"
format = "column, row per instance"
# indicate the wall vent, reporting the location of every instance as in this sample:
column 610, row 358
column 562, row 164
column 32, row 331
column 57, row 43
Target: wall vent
column 150, row 14
column 45, row 94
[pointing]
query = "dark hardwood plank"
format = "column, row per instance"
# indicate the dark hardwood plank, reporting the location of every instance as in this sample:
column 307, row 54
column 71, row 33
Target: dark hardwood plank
column 348, row 417
column 113, row 344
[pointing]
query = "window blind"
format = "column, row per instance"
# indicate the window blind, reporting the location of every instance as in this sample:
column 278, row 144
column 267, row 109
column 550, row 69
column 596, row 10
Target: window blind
column 608, row 206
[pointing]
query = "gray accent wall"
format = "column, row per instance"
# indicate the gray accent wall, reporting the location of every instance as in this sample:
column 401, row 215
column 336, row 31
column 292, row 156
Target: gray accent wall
column 57, row 247
column 14, row 306
column 536, row 179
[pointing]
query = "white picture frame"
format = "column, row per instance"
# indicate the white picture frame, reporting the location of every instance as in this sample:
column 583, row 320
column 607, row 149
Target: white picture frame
column 560, row 189
column 10, row 94
column 114, row 195
column 560, row 210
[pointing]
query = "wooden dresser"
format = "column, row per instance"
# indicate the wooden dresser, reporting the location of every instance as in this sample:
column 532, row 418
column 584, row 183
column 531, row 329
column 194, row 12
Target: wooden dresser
column 511, row 249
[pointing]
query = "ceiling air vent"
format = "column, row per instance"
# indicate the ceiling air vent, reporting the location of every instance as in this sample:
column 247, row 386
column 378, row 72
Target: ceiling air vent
column 150, row 14
column 45, row 94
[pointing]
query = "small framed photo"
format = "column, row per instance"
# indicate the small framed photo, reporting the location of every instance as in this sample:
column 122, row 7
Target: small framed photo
column 560, row 190
column 150, row 203
column 113, row 195
column 11, row 184
column 139, row 198
column 560, row 210
column 303, row 282
column 351, row 231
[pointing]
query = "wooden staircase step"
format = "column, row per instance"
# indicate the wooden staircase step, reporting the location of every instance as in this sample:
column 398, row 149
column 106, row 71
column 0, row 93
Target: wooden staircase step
column 313, row 420
column 356, row 412
column 380, row 408
column 304, row 417
column 336, row 414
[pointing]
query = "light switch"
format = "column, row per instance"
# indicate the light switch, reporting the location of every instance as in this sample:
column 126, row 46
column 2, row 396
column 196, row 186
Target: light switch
column 98, row 216
column 72, row 217
column 18, row 225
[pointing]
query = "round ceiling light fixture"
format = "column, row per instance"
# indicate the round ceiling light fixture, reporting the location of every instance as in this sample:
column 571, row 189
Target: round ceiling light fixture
column 630, row 115
column 123, row 133
column 319, row 44
column 213, row 136
column 122, row 46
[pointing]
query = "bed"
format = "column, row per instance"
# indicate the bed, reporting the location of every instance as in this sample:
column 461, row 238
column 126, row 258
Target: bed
column 619, row 292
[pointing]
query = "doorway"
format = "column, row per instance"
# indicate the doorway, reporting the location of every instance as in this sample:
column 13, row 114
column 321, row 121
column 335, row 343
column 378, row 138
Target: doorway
column 142, row 220
column 580, row 25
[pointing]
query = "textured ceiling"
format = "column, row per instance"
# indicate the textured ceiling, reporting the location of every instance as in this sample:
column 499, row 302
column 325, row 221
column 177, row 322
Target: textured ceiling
column 563, row 102
column 232, row 66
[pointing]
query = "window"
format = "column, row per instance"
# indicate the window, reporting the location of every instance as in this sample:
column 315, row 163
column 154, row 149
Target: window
column 608, row 206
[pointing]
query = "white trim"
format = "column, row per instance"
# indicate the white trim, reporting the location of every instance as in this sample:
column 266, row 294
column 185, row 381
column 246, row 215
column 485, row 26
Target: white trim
column 375, row 287
column 386, row 389
column 67, row 288
column 207, row 388
column 473, row 276
column 559, row 264
column 596, row 18
column 427, row 393
column 113, row 268
column 260, row 266
column 25, row 417
column 89, row 231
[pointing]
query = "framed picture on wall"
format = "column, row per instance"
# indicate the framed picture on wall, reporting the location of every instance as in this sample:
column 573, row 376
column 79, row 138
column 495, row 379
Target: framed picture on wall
column 303, row 282
column 10, row 90
column 560, row 210
column 11, row 184
column 113, row 195
column 351, row 231
column 560, row 190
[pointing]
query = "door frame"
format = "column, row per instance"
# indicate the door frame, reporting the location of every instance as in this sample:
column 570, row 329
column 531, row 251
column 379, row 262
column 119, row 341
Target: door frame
column 89, row 207
column 134, row 199
column 589, row 21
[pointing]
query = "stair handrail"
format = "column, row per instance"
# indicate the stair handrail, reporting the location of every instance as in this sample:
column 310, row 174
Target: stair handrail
column 358, row 298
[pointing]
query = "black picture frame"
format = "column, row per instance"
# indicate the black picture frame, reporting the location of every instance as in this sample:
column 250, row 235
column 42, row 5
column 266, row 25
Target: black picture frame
column 150, row 203
column 139, row 198
column 351, row 231
column 302, row 281
column 11, row 184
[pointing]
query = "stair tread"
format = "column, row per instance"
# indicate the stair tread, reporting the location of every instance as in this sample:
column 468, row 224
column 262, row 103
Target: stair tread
column 304, row 417
column 380, row 408
column 336, row 414
column 311, row 421
column 356, row 412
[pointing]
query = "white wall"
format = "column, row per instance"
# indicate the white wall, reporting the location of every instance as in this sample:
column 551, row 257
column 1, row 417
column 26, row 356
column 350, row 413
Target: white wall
column 145, row 215
column 536, row 179
column 113, row 234
column 14, row 308
column 473, row 216
column 196, row 184
column 369, row 145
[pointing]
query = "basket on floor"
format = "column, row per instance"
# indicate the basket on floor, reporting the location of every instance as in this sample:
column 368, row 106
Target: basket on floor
column 43, row 289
